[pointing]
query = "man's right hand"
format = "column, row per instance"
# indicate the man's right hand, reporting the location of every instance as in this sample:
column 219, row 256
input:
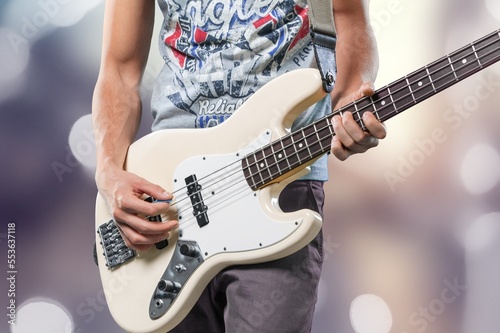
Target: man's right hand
column 124, row 193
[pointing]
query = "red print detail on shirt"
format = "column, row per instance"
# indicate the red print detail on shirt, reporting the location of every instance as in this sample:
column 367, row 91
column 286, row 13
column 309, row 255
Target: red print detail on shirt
column 269, row 19
column 304, row 29
column 199, row 36
column 172, row 42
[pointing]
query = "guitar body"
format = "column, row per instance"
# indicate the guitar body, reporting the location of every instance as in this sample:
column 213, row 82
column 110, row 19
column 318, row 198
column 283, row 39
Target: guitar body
column 154, row 290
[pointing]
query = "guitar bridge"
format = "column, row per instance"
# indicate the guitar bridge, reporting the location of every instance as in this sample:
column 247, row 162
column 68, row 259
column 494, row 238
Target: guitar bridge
column 113, row 245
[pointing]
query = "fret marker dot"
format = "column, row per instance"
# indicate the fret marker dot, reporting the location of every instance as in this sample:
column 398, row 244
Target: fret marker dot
column 420, row 83
column 280, row 156
column 300, row 145
column 383, row 103
column 464, row 61
column 262, row 165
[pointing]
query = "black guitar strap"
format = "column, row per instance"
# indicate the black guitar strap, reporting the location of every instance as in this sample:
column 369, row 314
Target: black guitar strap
column 324, row 38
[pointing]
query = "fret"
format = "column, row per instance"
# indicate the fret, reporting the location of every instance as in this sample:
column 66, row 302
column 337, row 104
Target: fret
column 402, row 95
column 356, row 109
column 488, row 49
column 452, row 68
column 312, row 142
column 246, row 171
column 290, row 152
column 312, row 139
column 477, row 56
column 297, row 144
column 260, row 161
column 383, row 102
column 325, row 133
column 281, row 157
column 250, row 169
column 318, row 138
column 271, row 163
column 387, row 115
column 464, row 61
column 300, row 145
column 442, row 73
column 308, row 133
column 252, row 166
column 355, row 112
column 420, row 84
column 376, row 113
column 356, row 115
column 374, row 106
column 357, row 118
column 362, row 105
column 411, row 91
column 430, row 78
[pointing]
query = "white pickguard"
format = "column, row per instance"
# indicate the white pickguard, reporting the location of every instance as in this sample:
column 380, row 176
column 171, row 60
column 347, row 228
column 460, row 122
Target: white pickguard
column 234, row 209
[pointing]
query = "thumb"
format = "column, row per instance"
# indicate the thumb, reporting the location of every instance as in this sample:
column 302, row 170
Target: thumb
column 154, row 190
column 367, row 89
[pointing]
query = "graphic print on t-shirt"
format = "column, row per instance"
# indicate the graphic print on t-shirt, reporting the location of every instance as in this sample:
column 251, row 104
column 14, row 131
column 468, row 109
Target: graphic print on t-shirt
column 219, row 52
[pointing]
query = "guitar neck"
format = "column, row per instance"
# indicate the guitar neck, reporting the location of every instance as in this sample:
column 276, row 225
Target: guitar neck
column 265, row 165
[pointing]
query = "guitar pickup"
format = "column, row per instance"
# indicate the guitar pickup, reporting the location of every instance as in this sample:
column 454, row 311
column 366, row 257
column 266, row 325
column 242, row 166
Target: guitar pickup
column 199, row 207
column 113, row 245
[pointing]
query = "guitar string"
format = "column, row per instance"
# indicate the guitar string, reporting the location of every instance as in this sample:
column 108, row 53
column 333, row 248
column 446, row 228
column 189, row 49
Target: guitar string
column 210, row 189
column 365, row 107
column 217, row 203
column 204, row 178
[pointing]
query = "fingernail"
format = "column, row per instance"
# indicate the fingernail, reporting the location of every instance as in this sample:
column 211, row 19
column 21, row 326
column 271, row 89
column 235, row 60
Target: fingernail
column 168, row 200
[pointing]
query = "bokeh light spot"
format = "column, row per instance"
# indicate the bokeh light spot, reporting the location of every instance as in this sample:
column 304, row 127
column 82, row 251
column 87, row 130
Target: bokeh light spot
column 482, row 232
column 67, row 13
column 81, row 142
column 42, row 316
column 481, row 169
column 493, row 7
column 370, row 314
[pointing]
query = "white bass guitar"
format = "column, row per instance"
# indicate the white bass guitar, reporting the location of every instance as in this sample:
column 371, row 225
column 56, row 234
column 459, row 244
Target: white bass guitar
column 226, row 181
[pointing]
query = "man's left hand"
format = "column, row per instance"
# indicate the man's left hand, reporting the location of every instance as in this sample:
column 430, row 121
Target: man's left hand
column 350, row 139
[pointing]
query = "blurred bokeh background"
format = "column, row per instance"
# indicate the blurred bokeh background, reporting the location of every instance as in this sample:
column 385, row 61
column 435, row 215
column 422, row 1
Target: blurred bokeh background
column 412, row 228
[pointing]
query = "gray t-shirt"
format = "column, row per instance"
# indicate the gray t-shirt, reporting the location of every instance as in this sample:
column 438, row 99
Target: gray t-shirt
column 217, row 53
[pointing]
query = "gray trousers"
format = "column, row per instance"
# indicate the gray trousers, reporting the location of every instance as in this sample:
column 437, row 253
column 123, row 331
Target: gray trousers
column 272, row 297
